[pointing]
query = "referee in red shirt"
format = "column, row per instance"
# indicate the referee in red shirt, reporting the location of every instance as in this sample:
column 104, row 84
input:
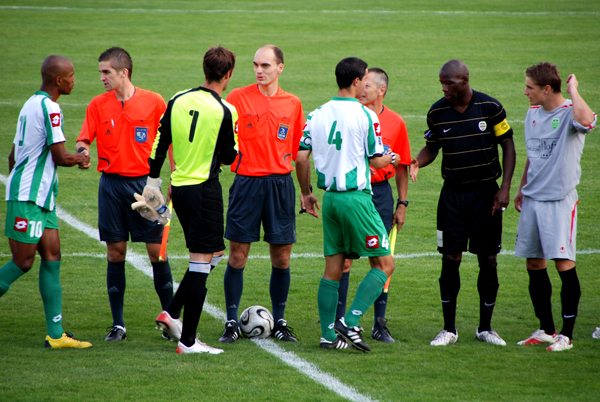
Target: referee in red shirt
column 269, row 131
column 124, row 121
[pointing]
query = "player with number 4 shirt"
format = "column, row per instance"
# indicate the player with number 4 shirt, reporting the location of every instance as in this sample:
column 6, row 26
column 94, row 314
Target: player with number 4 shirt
column 344, row 137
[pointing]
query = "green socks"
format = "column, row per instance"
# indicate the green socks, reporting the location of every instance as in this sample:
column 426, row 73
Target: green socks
column 51, row 292
column 8, row 274
column 327, row 299
column 368, row 291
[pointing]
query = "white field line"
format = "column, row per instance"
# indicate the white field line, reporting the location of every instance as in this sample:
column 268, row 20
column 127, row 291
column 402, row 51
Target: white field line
column 141, row 262
column 418, row 12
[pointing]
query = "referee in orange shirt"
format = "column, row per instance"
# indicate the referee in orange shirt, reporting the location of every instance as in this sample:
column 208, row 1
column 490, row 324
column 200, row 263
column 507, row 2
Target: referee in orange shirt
column 269, row 131
column 124, row 122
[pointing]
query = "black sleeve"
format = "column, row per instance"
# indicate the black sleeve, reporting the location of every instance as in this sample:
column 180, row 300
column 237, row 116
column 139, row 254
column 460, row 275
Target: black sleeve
column 430, row 135
column 164, row 139
column 226, row 141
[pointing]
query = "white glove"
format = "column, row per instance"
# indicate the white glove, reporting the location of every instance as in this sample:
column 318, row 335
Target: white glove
column 144, row 209
column 153, row 188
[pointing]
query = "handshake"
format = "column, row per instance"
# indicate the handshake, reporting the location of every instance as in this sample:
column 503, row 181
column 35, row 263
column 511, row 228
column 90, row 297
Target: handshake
column 151, row 204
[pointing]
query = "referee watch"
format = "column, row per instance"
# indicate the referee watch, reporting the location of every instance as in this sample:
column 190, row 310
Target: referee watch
column 405, row 203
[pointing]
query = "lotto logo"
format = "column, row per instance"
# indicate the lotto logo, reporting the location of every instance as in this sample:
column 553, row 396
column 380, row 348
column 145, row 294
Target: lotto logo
column 372, row 241
column 21, row 225
column 55, row 119
column 377, row 130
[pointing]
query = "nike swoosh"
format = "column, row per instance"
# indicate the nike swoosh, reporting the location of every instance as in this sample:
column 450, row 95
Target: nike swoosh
column 568, row 316
column 488, row 305
column 445, row 131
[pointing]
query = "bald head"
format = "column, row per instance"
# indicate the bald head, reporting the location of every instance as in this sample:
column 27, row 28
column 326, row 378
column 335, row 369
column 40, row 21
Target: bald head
column 277, row 52
column 55, row 66
column 454, row 77
column 454, row 69
column 58, row 76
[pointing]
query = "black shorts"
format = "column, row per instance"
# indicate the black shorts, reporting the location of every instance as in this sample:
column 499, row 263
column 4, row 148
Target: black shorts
column 200, row 211
column 384, row 203
column 465, row 216
column 267, row 199
column 116, row 219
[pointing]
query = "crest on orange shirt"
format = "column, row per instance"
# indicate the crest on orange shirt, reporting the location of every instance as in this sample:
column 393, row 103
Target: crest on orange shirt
column 141, row 134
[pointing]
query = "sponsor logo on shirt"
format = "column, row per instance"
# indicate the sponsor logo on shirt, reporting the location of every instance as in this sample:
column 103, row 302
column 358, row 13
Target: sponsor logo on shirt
column 249, row 126
column 141, row 134
column 55, row 119
column 548, row 145
column 377, row 129
column 372, row 241
column 21, row 224
column 283, row 131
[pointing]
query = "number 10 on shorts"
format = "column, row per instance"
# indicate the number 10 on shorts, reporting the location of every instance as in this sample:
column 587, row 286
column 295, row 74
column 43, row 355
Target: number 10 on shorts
column 35, row 228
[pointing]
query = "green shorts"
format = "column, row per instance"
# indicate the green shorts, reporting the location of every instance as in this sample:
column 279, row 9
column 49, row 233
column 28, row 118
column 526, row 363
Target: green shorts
column 352, row 225
column 26, row 222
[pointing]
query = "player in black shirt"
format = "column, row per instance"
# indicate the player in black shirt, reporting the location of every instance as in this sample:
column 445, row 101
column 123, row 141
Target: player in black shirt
column 468, row 126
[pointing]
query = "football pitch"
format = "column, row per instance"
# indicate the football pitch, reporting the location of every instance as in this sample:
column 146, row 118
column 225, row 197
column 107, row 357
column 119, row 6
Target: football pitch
column 410, row 40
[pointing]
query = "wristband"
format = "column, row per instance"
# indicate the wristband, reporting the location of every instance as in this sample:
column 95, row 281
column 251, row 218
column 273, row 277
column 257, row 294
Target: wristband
column 393, row 160
column 81, row 149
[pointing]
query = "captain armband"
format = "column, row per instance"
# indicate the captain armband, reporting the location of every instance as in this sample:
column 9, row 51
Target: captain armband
column 501, row 128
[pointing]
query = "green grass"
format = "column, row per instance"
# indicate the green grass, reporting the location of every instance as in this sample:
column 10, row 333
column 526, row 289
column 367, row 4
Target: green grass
column 497, row 40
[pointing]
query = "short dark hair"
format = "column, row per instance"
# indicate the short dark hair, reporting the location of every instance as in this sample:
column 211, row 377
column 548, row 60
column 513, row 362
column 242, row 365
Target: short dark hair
column 348, row 70
column 217, row 62
column 119, row 59
column 543, row 74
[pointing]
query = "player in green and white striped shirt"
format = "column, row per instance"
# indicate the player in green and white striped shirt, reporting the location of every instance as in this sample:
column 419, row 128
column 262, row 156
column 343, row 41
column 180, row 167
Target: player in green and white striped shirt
column 343, row 136
column 31, row 224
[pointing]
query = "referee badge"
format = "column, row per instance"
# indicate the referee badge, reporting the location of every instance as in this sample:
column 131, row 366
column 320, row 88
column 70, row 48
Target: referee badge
column 283, row 131
column 141, row 134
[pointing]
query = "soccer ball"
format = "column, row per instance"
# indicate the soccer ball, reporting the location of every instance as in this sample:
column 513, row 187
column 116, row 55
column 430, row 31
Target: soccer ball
column 256, row 322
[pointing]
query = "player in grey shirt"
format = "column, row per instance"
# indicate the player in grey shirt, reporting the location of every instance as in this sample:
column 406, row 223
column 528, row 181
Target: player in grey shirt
column 555, row 130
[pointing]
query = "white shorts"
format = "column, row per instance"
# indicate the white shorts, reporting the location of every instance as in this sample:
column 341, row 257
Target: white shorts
column 547, row 229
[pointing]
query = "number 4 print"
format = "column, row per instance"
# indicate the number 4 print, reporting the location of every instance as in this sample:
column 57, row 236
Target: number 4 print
column 385, row 243
column 337, row 140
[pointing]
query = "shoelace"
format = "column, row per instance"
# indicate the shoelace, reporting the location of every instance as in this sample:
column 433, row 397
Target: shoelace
column 286, row 330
